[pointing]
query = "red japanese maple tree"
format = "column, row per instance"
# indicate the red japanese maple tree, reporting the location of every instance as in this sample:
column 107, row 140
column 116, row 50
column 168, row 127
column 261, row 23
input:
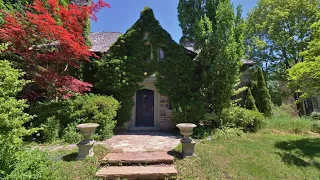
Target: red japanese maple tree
column 50, row 38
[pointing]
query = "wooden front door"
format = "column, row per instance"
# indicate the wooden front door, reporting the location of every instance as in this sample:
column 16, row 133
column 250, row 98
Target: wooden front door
column 145, row 108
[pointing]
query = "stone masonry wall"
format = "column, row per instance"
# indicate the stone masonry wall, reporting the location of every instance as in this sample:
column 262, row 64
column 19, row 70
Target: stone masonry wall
column 166, row 123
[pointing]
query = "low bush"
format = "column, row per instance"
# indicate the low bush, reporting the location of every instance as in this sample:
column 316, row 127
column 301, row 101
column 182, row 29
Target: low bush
column 315, row 127
column 315, row 115
column 59, row 118
column 227, row 133
column 237, row 117
column 32, row 164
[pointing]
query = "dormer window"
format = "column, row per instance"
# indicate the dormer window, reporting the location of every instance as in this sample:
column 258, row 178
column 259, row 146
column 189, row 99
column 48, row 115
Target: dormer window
column 161, row 53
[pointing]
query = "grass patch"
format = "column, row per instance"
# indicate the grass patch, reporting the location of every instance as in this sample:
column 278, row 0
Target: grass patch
column 291, row 125
column 68, row 168
column 254, row 156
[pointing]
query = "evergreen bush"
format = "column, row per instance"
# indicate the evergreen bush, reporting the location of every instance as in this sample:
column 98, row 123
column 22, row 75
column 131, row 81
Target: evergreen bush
column 250, row 102
column 261, row 94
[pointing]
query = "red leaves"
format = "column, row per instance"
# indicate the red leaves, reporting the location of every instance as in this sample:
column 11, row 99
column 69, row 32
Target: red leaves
column 50, row 40
column 65, row 86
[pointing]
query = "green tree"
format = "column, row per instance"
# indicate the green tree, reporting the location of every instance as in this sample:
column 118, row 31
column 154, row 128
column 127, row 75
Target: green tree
column 189, row 11
column 278, row 31
column 218, row 56
column 250, row 102
column 305, row 76
column 261, row 94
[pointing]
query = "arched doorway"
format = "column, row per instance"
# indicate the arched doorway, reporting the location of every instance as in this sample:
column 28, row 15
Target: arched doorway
column 145, row 108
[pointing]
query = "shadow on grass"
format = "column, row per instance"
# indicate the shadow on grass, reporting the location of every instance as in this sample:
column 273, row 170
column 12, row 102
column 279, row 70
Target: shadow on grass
column 70, row 157
column 176, row 154
column 302, row 152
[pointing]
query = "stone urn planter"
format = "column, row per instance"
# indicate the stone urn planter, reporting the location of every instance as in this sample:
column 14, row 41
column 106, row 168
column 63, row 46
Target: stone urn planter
column 186, row 129
column 85, row 147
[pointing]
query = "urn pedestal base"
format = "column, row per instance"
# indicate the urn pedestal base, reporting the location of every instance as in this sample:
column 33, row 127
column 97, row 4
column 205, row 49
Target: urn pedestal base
column 85, row 149
column 187, row 148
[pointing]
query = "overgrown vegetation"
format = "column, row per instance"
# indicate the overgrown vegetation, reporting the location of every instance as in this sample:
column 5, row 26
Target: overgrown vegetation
column 59, row 118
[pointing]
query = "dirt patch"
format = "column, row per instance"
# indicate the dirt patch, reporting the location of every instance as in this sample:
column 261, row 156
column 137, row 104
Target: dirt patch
column 274, row 131
column 313, row 134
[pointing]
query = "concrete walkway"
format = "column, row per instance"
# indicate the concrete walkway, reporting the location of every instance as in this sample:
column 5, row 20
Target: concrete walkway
column 132, row 142
column 142, row 142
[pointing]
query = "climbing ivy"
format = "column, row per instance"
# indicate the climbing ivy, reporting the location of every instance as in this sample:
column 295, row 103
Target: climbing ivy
column 120, row 71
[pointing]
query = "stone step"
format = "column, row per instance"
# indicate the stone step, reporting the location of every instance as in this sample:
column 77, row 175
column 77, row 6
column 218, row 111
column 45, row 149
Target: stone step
column 129, row 158
column 137, row 172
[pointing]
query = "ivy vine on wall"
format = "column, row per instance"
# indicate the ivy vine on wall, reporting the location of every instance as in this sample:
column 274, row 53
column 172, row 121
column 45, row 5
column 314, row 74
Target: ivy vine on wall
column 138, row 50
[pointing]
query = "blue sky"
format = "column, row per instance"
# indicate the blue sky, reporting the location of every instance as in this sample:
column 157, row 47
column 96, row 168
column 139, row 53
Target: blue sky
column 124, row 13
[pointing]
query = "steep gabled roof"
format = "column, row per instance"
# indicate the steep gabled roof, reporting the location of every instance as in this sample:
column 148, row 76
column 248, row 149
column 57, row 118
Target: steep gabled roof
column 102, row 41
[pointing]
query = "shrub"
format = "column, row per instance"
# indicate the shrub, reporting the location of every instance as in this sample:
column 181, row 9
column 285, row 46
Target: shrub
column 12, row 116
column 191, row 112
column 315, row 127
column 315, row 115
column 32, row 164
column 201, row 132
column 237, row 117
column 261, row 94
column 250, row 102
column 70, row 134
column 96, row 109
column 65, row 115
column 51, row 115
column 227, row 133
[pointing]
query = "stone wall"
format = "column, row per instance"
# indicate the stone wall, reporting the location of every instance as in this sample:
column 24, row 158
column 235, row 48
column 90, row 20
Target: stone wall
column 166, row 123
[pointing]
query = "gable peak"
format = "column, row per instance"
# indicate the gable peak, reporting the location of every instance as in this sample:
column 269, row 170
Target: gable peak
column 147, row 11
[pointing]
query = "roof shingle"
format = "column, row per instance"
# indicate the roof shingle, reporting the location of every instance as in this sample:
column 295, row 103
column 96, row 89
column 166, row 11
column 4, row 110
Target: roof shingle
column 102, row 41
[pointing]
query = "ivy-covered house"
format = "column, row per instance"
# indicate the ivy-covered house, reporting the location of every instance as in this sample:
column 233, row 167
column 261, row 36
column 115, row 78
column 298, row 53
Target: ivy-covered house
column 148, row 72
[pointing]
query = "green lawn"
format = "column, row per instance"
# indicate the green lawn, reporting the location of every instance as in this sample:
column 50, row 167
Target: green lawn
column 67, row 167
column 284, row 149
column 262, row 155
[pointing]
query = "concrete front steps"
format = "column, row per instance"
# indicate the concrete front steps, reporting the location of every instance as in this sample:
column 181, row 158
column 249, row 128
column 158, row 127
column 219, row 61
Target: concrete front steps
column 137, row 165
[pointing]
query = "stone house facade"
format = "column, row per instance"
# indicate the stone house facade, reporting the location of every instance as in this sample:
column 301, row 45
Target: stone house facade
column 148, row 100
column 151, row 110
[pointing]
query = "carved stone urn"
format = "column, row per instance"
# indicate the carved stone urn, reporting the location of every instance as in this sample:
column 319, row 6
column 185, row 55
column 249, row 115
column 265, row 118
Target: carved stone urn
column 186, row 129
column 85, row 147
